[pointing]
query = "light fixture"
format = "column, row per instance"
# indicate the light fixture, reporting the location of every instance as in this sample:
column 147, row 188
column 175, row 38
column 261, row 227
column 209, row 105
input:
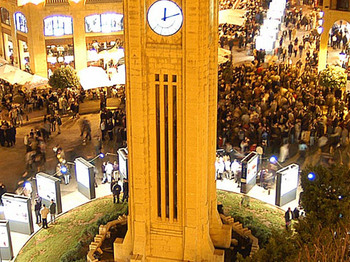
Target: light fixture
column 320, row 14
column 320, row 22
column 311, row 176
column 64, row 170
column 273, row 160
column 342, row 56
column 319, row 30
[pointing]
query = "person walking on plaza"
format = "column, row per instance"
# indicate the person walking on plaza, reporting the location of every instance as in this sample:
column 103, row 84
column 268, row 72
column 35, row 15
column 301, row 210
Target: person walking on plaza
column 44, row 212
column 125, row 190
column 116, row 189
column 37, row 207
column 59, row 123
column 52, row 211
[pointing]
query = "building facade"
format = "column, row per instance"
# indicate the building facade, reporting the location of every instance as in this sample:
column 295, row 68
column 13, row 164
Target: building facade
column 334, row 11
column 45, row 35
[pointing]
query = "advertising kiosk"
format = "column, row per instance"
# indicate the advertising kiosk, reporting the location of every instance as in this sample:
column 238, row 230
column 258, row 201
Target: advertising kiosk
column 123, row 162
column 84, row 173
column 287, row 184
column 249, row 172
column 48, row 187
column 18, row 211
column 5, row 241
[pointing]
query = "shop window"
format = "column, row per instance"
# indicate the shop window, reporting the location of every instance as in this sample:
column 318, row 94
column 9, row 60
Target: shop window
column 104, row 23
column 58, row 26
column 343, row 5
column 5, row 16
column 21, row 22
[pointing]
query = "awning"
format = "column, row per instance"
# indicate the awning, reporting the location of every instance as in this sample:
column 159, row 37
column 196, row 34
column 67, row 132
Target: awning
column 224, row 55
column 36, row 81
column 232, row 16
column 118, row 78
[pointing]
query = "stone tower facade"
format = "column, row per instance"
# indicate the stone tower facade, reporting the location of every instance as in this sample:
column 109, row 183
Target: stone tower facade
column 171, row 90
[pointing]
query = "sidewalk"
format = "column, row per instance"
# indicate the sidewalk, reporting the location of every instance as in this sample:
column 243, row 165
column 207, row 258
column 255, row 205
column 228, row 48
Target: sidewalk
column 71, row 198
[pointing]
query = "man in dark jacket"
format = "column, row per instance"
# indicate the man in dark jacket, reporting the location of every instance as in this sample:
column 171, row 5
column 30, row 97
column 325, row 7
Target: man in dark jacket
column 125, row 190
column 116, row 189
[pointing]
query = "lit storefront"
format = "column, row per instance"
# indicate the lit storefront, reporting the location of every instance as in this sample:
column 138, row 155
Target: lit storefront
column 104, row 34
column 59, row 32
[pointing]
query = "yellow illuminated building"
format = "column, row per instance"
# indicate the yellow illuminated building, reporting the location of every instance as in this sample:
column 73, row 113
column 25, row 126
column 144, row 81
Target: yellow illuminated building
column 333, row 11
column 171, row 64
column 50, row 33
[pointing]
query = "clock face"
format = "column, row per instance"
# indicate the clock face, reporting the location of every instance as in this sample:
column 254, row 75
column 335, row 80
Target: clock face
column 165, row 17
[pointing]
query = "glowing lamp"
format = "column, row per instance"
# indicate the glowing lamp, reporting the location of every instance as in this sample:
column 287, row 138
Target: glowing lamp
column 28, row 186
column 101, row 155
column 320, row 22
column 342, row 56
column 320, row 14
column 64, row 170
column 311, row 176
column 319, row 30
column 273, row 160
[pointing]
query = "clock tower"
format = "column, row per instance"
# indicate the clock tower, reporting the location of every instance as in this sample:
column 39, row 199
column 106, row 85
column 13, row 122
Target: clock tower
column 171, row 90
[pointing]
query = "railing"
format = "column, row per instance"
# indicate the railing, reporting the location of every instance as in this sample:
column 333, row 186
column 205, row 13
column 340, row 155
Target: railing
column 101, row 1
column 103, row 232
column 56, row 2
column 243, row 232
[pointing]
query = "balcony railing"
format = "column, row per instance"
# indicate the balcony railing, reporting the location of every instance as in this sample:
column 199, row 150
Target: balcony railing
column 56, row 2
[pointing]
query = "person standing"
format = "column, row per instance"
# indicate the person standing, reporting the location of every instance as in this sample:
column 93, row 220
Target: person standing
column 44, row 212
column 109, row 171
column 59, row 123
column 125, row 190
column 116, row 189
column 37, row 207
column 288, row 216
column 52, row 211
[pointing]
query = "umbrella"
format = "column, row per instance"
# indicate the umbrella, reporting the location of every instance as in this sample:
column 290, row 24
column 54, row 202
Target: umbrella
column 93, row 77
column 118, row 78
column 16, row 77
column 232, row 16
column 7, row 68
column 36, row 81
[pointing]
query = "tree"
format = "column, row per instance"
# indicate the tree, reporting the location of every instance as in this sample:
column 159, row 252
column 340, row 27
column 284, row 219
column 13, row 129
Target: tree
column 326, row 197
column 64, row 77
column 333, row 77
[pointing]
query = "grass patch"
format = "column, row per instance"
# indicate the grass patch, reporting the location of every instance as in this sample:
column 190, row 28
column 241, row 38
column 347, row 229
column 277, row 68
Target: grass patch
column 67, row 239
column 261, row 218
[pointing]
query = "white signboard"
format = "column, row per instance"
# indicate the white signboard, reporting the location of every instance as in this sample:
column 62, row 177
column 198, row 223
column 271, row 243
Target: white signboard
column 252, row 168
column 3, row 237
column 289, row 179
column 82, row 174
column 46, row 188
column 16, row 210
column 123, row 162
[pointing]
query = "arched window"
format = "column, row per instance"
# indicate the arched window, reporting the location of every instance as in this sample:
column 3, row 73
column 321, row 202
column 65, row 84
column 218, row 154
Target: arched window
column 58, row 26
column 21, row 22
column 104, row 23
column 5, row 16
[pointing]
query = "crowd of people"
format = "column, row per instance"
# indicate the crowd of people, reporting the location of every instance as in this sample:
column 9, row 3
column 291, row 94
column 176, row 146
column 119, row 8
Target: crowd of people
column 113, row 125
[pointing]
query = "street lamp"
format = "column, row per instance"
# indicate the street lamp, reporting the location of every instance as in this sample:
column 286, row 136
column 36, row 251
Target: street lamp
column 273, row 160
column 320, row 14
column 320, row 22
column 311, row 176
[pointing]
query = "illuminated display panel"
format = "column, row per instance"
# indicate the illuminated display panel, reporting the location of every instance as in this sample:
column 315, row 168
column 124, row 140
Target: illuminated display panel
column 21, row 22
column 58, row 26
column 105, row 23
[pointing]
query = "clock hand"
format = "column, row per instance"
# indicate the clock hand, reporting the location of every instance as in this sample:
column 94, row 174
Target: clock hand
column 170, row 16
column 164, row 15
